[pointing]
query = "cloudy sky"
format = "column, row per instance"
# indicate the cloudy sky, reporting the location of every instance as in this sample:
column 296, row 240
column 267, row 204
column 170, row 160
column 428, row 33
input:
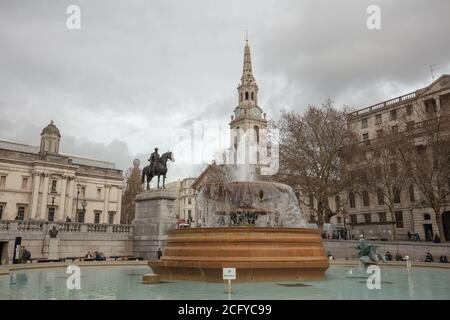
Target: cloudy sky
column 140, row 74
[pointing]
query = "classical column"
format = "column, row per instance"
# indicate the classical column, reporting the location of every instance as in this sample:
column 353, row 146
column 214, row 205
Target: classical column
column 119, row 206
column 438, row 105
column 104, row 218
column 43, row 212
column 70, row 198
column 35, row 195
column 62, row 199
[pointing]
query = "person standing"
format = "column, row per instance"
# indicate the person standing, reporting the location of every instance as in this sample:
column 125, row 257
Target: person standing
column 159, row 253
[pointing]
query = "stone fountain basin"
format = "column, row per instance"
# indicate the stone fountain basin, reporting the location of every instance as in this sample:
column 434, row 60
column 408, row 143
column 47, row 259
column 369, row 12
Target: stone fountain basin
column 258, row 254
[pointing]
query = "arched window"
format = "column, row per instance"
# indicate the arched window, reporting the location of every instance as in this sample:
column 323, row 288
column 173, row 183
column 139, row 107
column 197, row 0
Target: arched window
column 256, row 128
column 240, row 99
column 246, row 95
column 253, row 96
column 365, row 198
column 352, row 199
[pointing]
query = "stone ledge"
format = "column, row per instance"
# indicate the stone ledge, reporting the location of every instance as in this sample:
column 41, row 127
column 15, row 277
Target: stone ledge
column 155, row 194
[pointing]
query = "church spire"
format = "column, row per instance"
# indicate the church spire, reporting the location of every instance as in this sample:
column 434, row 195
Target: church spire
column 247, row 73
column 247, row 89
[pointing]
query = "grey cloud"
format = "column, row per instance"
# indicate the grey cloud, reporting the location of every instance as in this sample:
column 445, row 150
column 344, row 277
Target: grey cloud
column 139, row 70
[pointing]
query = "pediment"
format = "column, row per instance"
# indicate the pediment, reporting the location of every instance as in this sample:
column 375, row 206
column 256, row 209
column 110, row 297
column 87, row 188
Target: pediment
column 440, row 84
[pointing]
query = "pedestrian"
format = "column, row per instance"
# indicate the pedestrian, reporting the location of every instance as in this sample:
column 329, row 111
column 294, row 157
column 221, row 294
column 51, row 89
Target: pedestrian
column 159, row 253
column 417, row 237
column 436, row 239
column 24, row 255
column 388, row 256
column 409, row 236
column 398, row 256
column 443, row 259
column 429, row 257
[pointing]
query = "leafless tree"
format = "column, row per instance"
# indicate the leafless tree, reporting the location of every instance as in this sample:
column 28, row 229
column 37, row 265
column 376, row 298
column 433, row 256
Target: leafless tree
column 315, row 150
column 427, row 156
column 133, row 187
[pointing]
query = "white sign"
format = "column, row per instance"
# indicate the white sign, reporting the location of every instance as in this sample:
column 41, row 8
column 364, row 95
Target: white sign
column 229, row 273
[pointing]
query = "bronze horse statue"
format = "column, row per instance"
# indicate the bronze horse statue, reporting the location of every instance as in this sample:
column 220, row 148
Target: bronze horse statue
column 159, row 170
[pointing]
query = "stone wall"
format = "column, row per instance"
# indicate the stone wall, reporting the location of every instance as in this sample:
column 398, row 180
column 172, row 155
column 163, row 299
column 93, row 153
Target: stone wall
column 73, row 239
column 415, row 250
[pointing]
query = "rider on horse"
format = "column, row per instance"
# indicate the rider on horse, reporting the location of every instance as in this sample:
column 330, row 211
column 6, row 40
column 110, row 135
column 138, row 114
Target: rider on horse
column 154, row 159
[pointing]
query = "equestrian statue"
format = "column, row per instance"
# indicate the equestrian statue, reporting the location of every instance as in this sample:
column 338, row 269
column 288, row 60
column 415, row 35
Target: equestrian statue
column 157, row 167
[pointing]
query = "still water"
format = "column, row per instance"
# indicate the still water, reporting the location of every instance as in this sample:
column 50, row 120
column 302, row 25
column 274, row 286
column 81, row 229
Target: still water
column 125, row 282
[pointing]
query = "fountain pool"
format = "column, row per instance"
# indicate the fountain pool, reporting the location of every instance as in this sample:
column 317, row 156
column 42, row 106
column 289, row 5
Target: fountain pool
column 125, row 282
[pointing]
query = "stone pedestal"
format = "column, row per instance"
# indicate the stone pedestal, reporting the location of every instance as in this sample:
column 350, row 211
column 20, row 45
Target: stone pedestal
column 154, row 217
column 51, row 248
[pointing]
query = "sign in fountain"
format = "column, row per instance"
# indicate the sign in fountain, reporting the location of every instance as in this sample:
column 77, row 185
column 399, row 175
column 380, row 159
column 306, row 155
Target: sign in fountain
column 253, row 226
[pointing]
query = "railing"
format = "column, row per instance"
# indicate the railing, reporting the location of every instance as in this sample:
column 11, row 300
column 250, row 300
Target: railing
column 97, row 227
column 69, row 227
column 381, row 105
column 17, row 226
column 122, row 228
column 4, row 225
column 30, row 226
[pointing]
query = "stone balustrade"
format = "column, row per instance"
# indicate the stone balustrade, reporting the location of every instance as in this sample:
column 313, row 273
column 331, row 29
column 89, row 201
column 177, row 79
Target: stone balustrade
column 18, row 226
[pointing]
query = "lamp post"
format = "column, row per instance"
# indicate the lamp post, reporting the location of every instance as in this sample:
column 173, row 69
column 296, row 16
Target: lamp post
column 83, row 205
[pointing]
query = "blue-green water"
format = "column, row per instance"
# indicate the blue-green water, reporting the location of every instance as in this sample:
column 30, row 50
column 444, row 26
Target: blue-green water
column 125, row 282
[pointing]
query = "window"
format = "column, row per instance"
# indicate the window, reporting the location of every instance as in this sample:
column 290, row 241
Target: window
column 380, row 196
column 365, row 136
column 399, row 219
column 409, row 110
column 394, row 129
column 411, row 193
column 189, row 200
column 240, row 97
column 311, row 200
column 337, row 200
column 189, row 216
column 256, row 128
column 51, row 214
column 80, row 216
column 367, row 218
column 426, row 216
column 430, row 106
column 396, row 192
column 54, row 182
column 352, row 200
column 382, row 217
column 378, row 119
column 253, row 96
column 2, row 182
column 111, row 217
column 379, row 133
column 353, row 219
column 99, row 193
column 24, row 183
column 246, row 95
column 83, row 192
column 339, row 219
column 393, row 115
column 364, row 123
column 20, row 212
column 2, row 208
column 366, row 201
column 97, row 215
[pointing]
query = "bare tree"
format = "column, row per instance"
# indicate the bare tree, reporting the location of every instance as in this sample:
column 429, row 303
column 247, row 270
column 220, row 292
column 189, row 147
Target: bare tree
column 314, row 156
column 133, row 188
column 382, row 171
column 427, row 156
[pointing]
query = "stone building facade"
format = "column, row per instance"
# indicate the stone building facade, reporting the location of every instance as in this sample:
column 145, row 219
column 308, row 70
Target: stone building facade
column 185, row 204
column 40, row 183
column 368, row 215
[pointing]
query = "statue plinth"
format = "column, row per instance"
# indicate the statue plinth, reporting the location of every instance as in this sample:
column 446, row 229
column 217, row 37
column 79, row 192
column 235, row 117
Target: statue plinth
column 154, row 218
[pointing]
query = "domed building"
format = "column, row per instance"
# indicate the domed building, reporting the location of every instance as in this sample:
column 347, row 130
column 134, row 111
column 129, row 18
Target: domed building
column 41, row 183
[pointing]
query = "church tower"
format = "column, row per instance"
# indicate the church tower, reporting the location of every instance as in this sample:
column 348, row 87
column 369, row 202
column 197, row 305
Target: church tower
column 248, row 126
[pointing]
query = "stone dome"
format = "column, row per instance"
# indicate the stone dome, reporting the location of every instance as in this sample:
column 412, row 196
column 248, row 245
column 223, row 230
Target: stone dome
column 51, row 129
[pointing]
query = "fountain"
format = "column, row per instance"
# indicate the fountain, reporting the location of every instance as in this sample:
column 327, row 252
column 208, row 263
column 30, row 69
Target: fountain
column 253, row 226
